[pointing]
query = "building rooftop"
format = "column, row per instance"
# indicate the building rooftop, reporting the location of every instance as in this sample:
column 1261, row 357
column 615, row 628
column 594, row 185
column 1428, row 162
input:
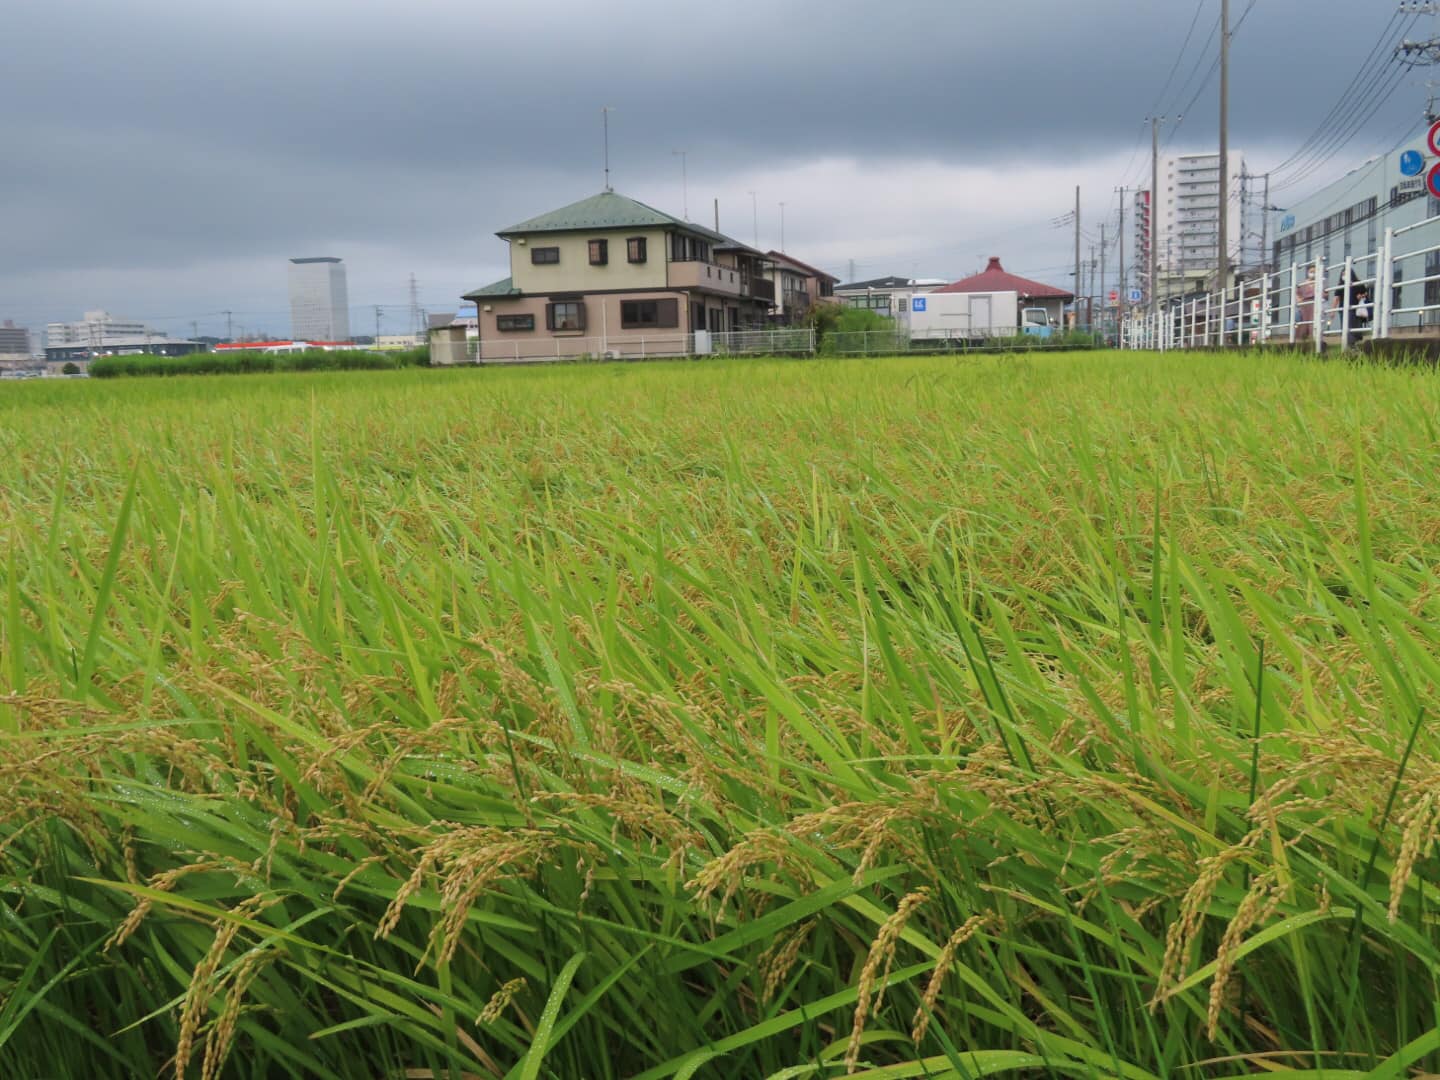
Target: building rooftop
column 504, row 287
column 780, row 256
column 995, row 278
column 608, row 210
column 891, row 282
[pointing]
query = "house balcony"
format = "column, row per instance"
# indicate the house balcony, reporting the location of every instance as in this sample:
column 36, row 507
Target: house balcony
column 760, row 289
column 709, row 277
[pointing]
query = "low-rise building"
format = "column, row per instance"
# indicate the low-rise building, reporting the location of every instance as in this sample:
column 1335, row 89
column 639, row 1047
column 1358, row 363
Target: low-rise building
column 995, row 278
column 96, row 329
column 889, row 296
column 798, row 287
column 121, row 346
column 609, row 275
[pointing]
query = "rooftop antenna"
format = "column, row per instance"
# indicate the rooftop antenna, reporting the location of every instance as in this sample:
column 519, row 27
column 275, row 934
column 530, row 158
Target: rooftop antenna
column 684, row 184
column 605, row 111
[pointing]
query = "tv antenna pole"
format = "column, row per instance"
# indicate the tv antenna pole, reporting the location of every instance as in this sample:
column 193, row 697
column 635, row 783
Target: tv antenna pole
column 605, row 111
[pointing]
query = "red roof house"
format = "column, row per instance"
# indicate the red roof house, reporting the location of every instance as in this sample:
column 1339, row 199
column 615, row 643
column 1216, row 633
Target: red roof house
column 995, row 278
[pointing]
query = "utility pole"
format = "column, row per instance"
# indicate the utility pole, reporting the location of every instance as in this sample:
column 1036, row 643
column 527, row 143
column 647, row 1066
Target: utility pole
column 1120, row 304
column 229, row 326
column 684, row 184
column 717, row 214
column 1265, row 227
column 194, row 331
column 1077, row 257
column 1103, row 298
column 377, row 325
column 852, row 269
column 1223, row 263
column 1151, row 288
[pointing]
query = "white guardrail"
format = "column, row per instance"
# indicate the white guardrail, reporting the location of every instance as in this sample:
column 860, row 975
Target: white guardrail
column 1393, row 292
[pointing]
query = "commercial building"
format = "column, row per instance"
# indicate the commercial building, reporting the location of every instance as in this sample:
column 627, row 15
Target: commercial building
column 1348, row 218
column 1183, row 220
column 121, row 346
column 319, row 299
column 609, row 275
column 14, row 345
column 97, row 329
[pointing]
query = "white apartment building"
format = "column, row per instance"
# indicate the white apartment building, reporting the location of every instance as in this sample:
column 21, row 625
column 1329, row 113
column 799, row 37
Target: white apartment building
column 319, row 300
column 96, row 330
column 1186, row 219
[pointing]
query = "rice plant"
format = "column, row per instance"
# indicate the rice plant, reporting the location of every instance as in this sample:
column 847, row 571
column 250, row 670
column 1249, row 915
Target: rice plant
column 1058, row 716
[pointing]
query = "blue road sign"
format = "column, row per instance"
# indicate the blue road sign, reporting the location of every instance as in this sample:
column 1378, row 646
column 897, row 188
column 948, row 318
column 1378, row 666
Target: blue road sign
column 917, row 304
column 1136, row 296
column 1412, row 163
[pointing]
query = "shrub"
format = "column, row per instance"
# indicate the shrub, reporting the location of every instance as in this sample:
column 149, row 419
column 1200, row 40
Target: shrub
column 248, row 362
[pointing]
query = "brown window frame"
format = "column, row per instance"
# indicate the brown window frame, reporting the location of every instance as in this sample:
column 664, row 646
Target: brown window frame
column 665, row 314
column 509, row 324
column 601, row 247
column 547, row 252
column 578, row 305
column 635, row 250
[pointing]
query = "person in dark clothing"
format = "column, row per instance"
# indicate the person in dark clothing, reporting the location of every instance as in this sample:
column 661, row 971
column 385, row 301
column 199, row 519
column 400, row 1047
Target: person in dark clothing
column 1354, row 296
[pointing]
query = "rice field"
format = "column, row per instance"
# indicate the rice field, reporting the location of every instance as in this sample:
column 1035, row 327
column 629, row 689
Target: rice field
column 1057, row 716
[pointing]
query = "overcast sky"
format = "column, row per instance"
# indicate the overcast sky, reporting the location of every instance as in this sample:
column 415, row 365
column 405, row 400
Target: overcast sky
column 163, row 159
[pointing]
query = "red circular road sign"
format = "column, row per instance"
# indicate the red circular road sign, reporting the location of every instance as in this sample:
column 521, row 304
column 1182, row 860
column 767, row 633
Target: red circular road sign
column 1114, row 296
column 1432, row 139
column 1432, row 180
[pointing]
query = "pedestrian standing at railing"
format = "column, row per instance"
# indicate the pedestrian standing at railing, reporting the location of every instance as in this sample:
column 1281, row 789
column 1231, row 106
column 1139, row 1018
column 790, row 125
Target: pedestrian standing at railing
column 1352, row 296
column 1305, row 305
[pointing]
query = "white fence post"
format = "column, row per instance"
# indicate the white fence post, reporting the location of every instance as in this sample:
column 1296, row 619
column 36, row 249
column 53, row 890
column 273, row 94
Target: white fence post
column 1384, row 275
column 1264, row 316
column 1295, row 297
column 1347, row 289
column 1317, row 313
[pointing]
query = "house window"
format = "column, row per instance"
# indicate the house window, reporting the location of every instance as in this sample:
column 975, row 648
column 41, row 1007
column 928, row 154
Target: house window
column 514, row 322
column 544, row 256
column 904, row 303
column 565, row 315
column 644, row 314
column 688, row 248
column 599, row 252
column 635, row 249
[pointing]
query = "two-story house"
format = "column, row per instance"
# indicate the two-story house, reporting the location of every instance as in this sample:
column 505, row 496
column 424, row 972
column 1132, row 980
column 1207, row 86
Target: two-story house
column 798, row 287
column 609, row 275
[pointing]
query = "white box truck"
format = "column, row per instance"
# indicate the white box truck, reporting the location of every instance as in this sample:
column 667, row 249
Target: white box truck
column 974, row 316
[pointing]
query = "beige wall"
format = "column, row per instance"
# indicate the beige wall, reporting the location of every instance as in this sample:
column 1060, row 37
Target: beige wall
column 573, row 273
column 603, row 330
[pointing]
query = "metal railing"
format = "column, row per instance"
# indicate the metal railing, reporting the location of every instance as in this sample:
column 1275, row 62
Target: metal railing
column 1393, row 291
column 781, row 341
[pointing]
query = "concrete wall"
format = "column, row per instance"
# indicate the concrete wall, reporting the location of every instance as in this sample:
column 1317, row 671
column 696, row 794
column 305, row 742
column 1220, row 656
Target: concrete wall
column 573, row 273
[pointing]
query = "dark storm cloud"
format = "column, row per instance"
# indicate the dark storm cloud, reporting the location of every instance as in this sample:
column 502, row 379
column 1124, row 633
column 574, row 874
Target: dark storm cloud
column 165, row 134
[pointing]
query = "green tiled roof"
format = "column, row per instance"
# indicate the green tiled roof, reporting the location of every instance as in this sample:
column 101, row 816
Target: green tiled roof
column 608, row 210
column 503, row 287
